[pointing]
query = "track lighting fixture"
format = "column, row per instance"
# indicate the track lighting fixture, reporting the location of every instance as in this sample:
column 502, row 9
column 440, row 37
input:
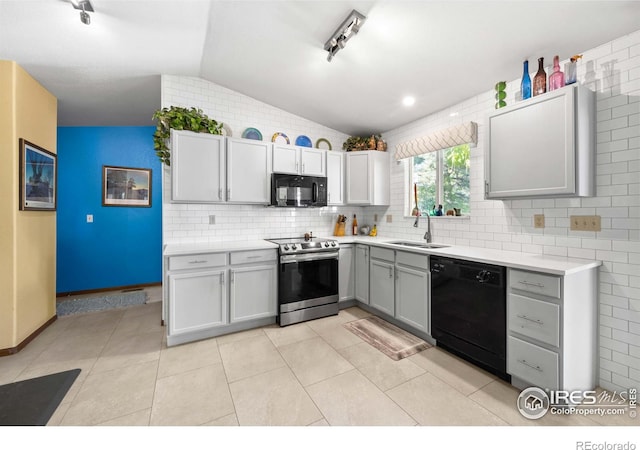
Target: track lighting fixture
column 348, row 28
column 86, row 7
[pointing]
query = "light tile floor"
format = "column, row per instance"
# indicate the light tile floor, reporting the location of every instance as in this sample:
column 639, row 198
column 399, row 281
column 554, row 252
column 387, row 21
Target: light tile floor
column 313, row 373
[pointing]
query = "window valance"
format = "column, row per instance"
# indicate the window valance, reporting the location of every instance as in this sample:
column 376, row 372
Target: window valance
column 466, row 133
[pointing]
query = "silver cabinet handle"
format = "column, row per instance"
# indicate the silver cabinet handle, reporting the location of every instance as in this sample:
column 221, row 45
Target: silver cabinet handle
column 302, row 167
column 390, row 272
column 228, row 194
column 232, row 276
column 522, row 361
column 538, row 321
column 329, row 197
column 198, row 261
column 220, row 194
column 222, row 278
column 254, row 257
column 528, row 283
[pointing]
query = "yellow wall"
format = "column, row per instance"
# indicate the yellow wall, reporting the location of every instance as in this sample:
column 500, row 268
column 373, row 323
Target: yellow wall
column 27, row 238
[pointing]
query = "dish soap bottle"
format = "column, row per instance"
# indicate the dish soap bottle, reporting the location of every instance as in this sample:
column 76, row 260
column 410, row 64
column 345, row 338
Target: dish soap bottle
column 556, row 79
column 374, row 231
column 354, row 227
column 540, row 80
column 525, row 86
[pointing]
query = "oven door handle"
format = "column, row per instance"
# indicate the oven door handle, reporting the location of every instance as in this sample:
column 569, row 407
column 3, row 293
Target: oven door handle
column 288, row 259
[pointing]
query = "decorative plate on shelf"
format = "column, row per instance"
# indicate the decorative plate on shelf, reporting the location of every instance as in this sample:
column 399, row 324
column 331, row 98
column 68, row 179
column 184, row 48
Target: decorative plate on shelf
column 304, row 141
column 321, row 140
column 280, row 135
column 226, row 130
column 252, row 133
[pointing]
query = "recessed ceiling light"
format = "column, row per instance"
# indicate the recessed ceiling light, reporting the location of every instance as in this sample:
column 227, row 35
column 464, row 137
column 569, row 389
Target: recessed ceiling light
column 453, row 114
column 408, row 101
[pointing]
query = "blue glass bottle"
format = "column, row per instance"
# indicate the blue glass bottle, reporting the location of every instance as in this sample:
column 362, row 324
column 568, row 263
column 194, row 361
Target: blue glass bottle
column 525, row 86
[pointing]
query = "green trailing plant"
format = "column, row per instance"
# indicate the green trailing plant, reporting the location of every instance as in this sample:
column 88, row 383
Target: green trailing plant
column 176, row 118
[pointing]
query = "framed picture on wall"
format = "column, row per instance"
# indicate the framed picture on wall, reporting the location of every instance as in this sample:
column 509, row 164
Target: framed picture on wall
column 126, row 186
column 38, row 178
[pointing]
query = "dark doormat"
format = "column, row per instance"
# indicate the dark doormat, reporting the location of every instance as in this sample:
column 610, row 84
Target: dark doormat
column 33, row 402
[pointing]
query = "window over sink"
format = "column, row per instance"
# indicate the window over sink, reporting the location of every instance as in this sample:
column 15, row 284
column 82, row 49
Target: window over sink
column 442, row 178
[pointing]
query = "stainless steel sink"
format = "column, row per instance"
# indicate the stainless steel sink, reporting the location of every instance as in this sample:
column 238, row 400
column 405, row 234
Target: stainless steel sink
column 418, row 244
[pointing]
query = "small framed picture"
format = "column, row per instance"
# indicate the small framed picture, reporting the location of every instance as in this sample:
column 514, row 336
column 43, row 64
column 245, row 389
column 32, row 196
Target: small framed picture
column 126, row 186
column 38, row 178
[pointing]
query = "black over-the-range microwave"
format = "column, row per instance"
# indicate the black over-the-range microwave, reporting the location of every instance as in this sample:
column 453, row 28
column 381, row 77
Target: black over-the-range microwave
column 298, row 191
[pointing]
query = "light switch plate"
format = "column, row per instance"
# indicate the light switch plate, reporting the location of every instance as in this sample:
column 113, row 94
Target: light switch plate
column 375, row 218
column 89, row 218
column 389, row 218
column 585, row 223
column 212, row 220
column 538, row 221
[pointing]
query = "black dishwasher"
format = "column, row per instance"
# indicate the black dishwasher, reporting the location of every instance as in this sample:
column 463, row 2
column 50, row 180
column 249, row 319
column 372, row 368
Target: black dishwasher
column 468, row 311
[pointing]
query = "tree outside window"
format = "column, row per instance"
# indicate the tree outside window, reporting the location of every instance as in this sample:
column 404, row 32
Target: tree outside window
column 443, row 178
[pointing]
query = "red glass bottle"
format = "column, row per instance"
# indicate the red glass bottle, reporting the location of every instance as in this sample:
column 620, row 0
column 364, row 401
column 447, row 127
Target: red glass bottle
column 540, row 80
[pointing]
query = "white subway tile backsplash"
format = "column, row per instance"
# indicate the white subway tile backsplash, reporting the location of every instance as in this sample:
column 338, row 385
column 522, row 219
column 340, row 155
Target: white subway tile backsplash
column 613, row 366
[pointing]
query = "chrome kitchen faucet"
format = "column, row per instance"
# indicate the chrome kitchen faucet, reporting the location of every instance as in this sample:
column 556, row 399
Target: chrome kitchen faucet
column 427, row 234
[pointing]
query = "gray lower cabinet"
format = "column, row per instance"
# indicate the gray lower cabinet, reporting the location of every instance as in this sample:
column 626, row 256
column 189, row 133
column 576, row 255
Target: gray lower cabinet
column 362, row 273
column 210, row 294
column 552, row 332
column 346, row 273
column 382, row 280
column 197, row 292
column 252, row 292
column 381, row 284
column 412, row 290
column 400, row 286
column 200, row 301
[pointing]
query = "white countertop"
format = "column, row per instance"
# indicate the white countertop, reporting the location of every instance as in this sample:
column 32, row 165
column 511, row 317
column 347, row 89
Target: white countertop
column 209, row 247
column 556, row 265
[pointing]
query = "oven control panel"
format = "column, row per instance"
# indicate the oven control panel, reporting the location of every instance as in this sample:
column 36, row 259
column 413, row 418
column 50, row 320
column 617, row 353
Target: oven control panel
column 308, row 246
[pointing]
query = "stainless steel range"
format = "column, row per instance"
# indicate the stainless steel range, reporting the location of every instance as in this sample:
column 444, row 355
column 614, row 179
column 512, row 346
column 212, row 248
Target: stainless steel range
column 307, row 279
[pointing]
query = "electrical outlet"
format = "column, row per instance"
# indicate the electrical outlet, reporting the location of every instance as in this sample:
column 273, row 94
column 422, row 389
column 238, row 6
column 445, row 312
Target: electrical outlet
column 538, row 221
column 585, row 223
column 212, row 220
column 89, row 218
column 389, row 218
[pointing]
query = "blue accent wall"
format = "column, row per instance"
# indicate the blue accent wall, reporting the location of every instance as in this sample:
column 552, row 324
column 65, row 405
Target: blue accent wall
column 123, row 245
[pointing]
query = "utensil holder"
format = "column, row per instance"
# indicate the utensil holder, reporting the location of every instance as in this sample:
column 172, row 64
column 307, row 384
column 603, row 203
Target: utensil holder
column 338, row 230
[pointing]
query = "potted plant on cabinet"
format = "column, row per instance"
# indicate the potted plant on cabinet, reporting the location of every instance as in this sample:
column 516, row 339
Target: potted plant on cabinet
column 356, row 143
column 177, row 118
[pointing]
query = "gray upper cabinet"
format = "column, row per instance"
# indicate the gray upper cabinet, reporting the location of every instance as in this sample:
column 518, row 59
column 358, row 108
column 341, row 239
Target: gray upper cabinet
column 367, row 178
column 335, row 178
column 299, row 160
column 248, row 171
column 543, row 147
column 197, row 167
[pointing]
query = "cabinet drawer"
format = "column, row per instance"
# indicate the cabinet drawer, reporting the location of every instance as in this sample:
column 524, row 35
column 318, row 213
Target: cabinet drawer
column 534, row 318
column 197, row 261
column 253, row 256
column 536, row 283
column 533, row 364
column 413, row 260
column 382, row 253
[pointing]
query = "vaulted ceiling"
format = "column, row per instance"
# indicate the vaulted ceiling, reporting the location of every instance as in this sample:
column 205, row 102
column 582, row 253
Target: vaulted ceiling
column 440, row 52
